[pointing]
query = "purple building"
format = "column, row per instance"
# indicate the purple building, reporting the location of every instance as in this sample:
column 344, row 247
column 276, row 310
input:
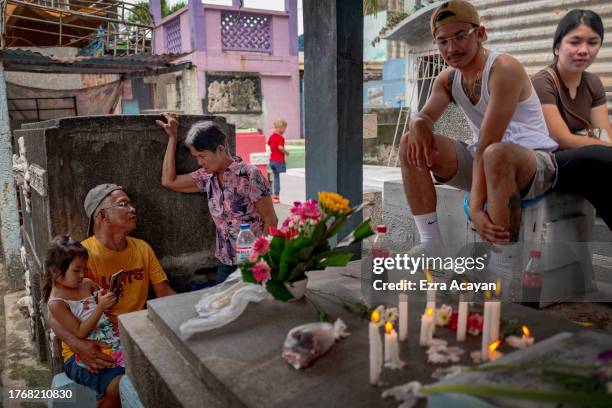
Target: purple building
column 245, row 62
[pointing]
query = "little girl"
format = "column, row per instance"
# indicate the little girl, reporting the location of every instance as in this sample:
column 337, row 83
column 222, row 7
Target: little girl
column 71, row 298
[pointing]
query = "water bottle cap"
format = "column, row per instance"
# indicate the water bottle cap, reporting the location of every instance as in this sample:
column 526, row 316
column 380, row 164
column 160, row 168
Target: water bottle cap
column 245, row 226
column 381, row 228
column 535, row 254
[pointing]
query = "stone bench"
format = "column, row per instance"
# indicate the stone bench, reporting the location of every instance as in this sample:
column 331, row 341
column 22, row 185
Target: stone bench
column 561, row 225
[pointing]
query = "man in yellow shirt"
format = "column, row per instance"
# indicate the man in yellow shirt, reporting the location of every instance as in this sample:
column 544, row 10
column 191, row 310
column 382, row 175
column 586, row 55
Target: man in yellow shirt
column 112, row 217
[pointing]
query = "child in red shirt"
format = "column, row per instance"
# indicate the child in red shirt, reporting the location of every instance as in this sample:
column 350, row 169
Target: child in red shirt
column 277, row 155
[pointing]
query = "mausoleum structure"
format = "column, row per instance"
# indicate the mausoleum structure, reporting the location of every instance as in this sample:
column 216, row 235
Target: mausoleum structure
column 246, row 59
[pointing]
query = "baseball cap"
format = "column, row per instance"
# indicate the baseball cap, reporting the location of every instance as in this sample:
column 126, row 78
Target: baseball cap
column 93, row 199
column 454, row 11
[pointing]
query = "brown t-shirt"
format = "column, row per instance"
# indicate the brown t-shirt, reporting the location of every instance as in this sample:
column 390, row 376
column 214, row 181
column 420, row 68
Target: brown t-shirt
column 589, row 94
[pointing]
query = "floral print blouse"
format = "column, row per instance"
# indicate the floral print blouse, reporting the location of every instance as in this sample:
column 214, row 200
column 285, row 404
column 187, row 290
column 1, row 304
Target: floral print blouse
column 232, row 203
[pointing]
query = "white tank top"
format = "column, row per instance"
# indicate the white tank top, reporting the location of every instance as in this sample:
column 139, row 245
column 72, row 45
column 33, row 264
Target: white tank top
column 526, row 128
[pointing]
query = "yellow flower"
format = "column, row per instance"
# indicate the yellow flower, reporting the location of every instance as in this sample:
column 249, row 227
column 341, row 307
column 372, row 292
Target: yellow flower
column 333, row 202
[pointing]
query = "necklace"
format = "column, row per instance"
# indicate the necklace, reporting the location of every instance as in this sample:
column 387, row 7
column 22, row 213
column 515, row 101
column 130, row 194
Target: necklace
column 473, row 91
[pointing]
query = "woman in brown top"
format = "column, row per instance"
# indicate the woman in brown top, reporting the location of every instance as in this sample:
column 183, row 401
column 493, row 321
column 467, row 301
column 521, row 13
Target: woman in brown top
column 580, row 97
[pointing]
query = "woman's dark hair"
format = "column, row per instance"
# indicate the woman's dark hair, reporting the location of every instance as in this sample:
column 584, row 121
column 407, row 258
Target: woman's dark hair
column 206, row 135
column 62, row 251
column 572, row 20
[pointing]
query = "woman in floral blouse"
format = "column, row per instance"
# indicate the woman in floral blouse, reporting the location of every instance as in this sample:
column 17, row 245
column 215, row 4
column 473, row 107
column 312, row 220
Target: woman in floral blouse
column 237, row 192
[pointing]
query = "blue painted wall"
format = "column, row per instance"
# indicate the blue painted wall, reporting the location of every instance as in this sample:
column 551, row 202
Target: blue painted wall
column 388, row 89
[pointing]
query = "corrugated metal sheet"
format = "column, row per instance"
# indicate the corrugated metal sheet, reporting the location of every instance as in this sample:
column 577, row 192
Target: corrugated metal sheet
column 525, row 29
column 15, row 59
column 522, row 28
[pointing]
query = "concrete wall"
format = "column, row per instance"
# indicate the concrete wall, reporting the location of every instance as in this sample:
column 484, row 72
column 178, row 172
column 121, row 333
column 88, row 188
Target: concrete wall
column 80, row 153
column 393, row 84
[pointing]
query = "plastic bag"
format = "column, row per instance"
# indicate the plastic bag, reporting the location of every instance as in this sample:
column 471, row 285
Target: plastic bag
column 309, row 341
column 222, row 304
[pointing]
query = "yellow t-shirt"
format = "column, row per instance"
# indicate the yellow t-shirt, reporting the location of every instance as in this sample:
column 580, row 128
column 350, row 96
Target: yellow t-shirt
column 141, row 270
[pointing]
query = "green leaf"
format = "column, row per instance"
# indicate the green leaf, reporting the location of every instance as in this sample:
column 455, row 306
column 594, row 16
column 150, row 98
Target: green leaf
column 336, row 259
column 336, row 226
column 543, row 395
column 247, row 275
column 278, row 290
column 298, row 272
column 360, row 233
column 361, row 207
column 276, row 249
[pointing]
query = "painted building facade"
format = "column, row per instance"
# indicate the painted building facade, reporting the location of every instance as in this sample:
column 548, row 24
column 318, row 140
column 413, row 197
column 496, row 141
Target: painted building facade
column 245, row 63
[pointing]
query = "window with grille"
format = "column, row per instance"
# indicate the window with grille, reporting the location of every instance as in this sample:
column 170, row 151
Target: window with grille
column 173, row 36
column 246, row 31
column 429, row 65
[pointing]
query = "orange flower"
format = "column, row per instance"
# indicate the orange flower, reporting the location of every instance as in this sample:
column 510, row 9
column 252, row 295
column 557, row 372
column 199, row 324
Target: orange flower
column 333, row 202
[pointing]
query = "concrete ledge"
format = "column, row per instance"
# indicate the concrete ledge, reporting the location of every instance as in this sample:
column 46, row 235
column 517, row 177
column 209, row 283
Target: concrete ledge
column 153, row 365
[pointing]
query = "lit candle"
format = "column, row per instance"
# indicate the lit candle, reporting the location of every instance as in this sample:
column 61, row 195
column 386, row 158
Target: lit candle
column 521, row 342
column 390, row 342
column 376, row 352
column 427, row 322
column 431, row 304
column 462, row 318
column 392, row 359
column 486, row 332
column 403, row 316
column 493, row 353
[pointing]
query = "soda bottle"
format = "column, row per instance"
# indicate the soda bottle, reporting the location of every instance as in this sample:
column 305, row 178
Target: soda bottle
column 380, row 247
column 532, row 280
column 244, row 243
column 375, row 262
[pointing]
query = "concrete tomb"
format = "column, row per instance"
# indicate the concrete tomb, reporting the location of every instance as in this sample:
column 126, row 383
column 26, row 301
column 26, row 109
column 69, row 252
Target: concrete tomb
column 58, row 161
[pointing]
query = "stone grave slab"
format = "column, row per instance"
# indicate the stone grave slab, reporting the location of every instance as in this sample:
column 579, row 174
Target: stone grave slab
column 241, row 362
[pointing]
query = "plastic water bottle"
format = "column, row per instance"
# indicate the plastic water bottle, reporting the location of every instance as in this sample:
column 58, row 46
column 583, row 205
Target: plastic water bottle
column 244, row 243
column 532, row 280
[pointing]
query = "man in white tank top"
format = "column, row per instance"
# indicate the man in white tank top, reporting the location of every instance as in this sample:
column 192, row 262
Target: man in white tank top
column 509, row 158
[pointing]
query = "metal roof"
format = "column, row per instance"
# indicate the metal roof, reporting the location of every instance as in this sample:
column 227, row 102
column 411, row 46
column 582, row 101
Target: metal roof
column 415, row 26
column 15, row 59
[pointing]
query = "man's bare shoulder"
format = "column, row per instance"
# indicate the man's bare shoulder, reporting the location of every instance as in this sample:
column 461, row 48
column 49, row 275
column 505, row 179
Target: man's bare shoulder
column 442, row 78
column 507, row 65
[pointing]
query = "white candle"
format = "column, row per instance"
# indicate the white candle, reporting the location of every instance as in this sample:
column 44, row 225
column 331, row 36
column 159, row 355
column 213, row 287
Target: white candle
column 391, row 346
column 403, row 316
column 392, row 358
column 376, row 352
column 462, row 319
column 431, row 304
column 426, row 328
column 495, row 317
column 486, row 332
column 521, row 342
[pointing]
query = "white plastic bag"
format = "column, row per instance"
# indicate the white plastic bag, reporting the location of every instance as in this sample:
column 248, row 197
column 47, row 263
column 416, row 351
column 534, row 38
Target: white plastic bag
column 222, row 304
column 309, row 341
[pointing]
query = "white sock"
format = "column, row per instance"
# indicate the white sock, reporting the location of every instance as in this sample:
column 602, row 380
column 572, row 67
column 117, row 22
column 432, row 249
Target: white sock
column 431, row 237
column 501, row 264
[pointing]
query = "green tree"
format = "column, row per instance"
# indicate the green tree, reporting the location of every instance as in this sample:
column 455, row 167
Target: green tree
column 140, row 11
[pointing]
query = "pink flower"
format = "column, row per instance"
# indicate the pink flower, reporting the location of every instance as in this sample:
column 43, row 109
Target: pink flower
column 261, row 245
column 311, row 210
column 474, row 324
column 261, row 272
